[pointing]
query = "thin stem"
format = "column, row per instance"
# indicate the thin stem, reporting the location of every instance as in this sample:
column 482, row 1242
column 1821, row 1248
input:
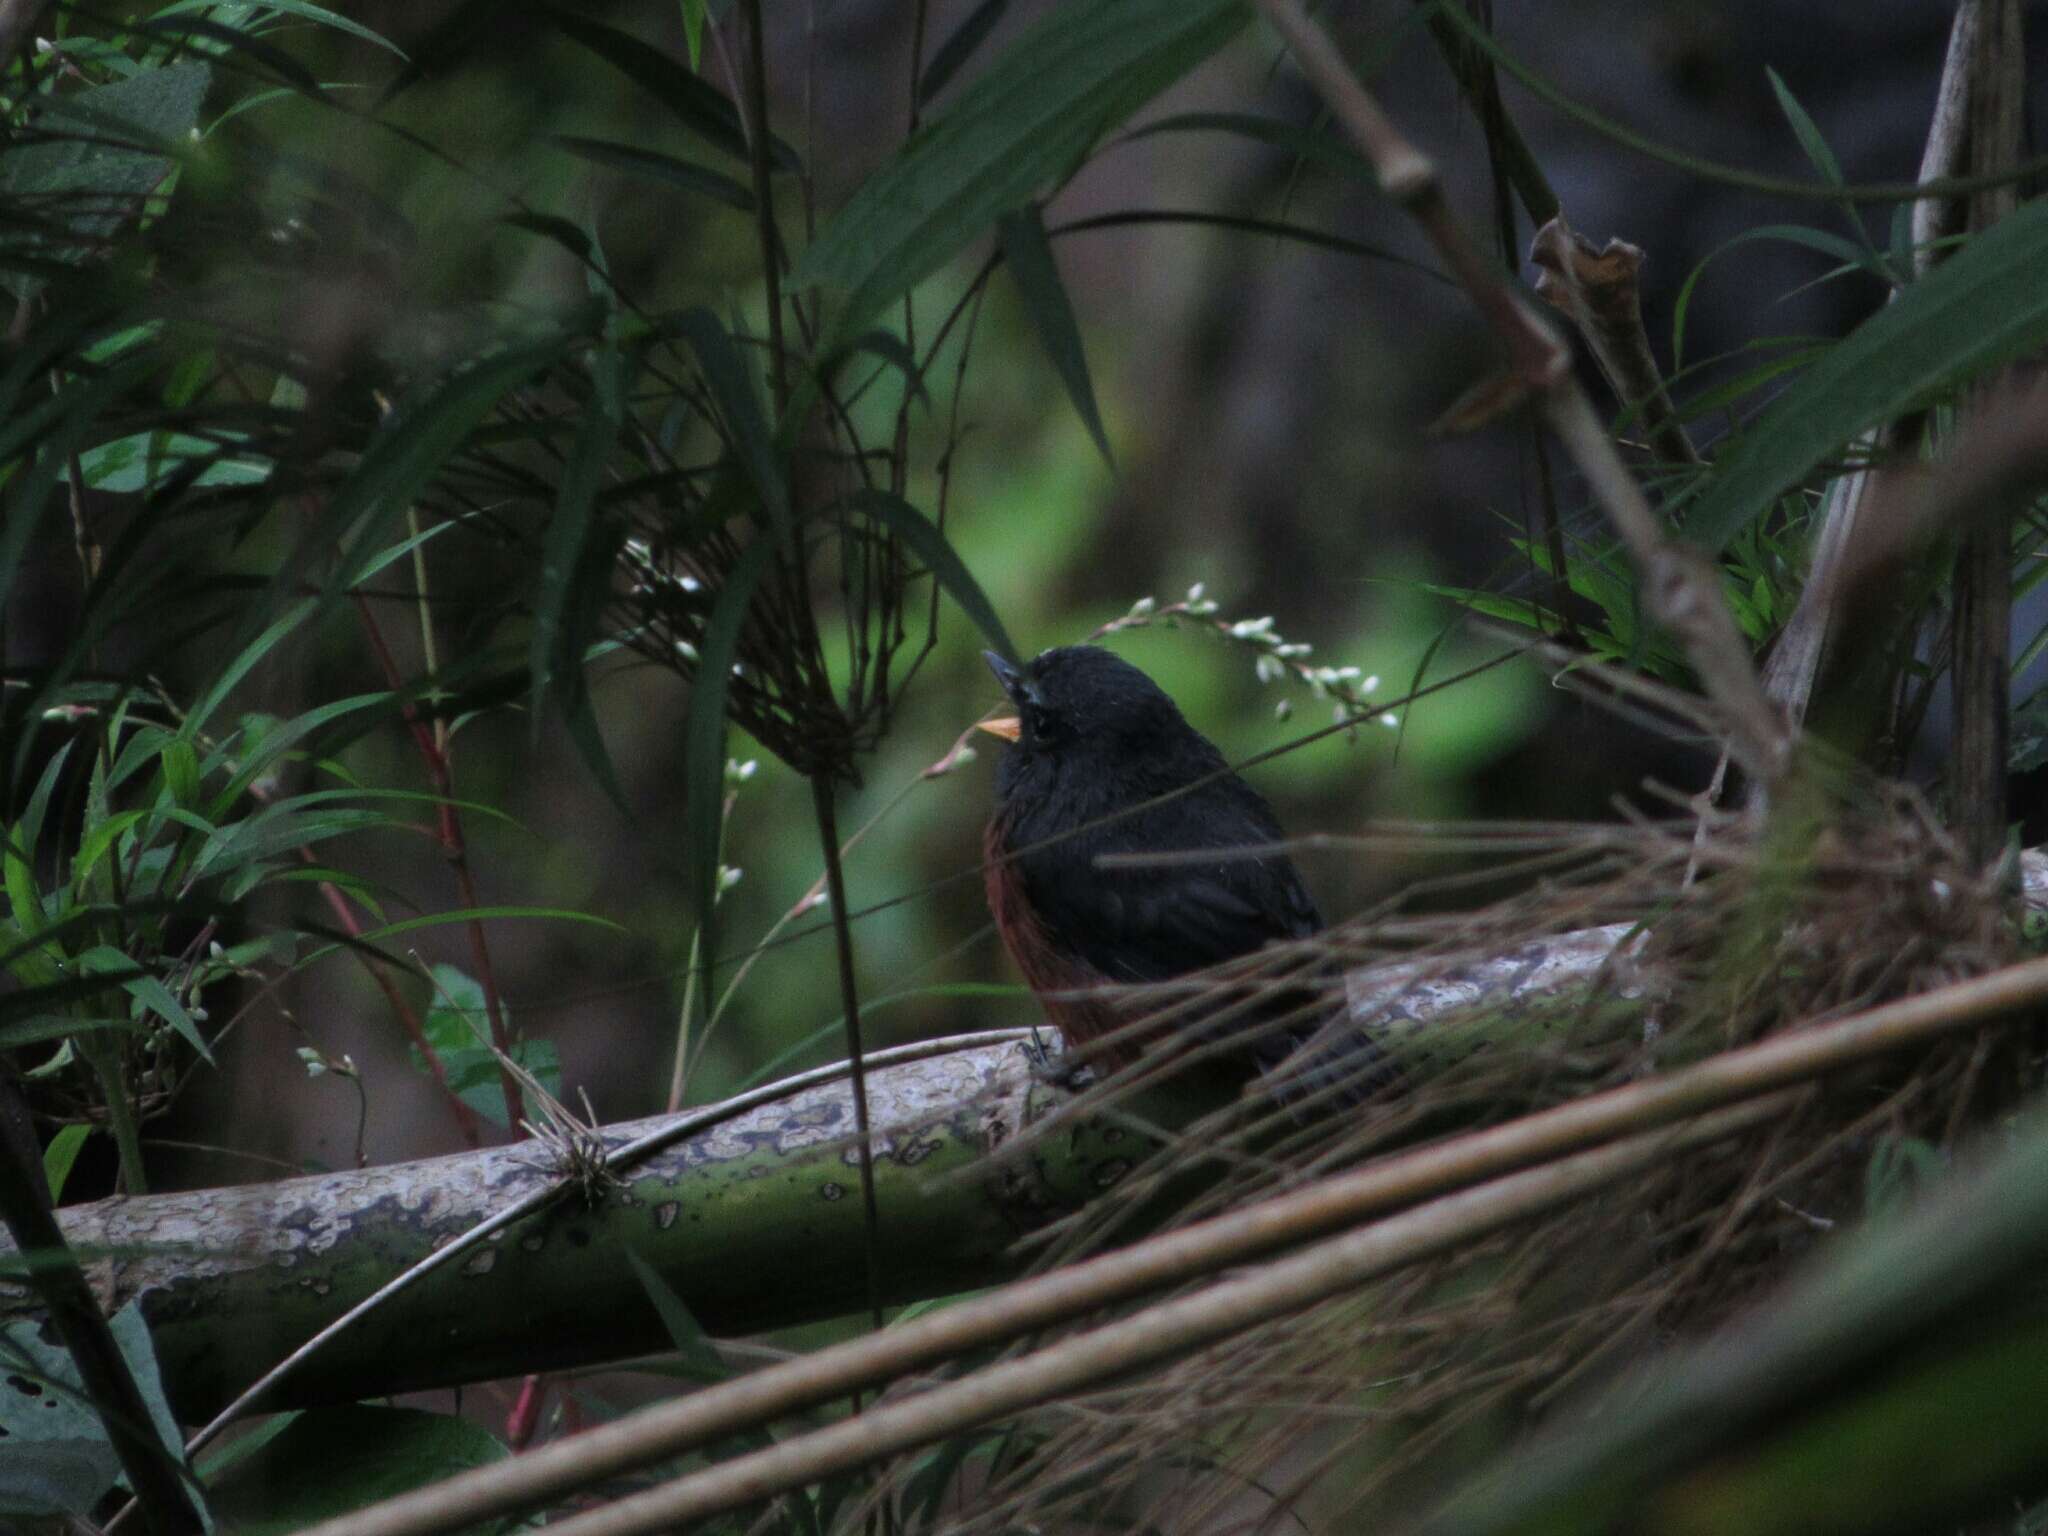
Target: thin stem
column 102, row 1052
column 764, row 204
column 448, row 833
column 849, row 993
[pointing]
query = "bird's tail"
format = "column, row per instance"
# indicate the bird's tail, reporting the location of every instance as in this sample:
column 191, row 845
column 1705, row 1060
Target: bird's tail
column 1321, row 1066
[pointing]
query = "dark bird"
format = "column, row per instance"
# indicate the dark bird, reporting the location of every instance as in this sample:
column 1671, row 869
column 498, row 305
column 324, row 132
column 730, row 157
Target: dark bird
column 1096, row 745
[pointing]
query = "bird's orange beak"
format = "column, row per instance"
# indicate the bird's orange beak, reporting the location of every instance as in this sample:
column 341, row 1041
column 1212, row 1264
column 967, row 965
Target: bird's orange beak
column 1009, row 727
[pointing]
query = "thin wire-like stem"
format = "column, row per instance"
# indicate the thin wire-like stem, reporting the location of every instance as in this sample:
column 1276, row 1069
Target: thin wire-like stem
column 849, row 995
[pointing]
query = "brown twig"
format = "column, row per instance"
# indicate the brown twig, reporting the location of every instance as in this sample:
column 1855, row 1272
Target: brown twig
column 1595, row 287
column 1680, row 586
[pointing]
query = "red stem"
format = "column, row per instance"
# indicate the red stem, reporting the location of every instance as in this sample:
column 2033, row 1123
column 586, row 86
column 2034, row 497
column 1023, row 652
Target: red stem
column 448, row 833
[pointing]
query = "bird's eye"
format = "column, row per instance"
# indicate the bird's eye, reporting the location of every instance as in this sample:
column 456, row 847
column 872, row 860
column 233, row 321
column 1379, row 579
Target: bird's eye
column 1046, row 726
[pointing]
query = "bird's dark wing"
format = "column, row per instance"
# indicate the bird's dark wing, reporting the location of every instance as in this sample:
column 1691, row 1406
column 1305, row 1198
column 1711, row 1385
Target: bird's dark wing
column 1148, row 924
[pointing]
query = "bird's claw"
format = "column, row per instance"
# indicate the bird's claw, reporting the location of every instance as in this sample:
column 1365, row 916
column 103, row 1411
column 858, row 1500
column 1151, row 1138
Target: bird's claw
column 1050, row 1065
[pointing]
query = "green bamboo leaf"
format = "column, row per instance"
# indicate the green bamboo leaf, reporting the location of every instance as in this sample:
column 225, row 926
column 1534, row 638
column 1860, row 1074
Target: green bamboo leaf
column 1029, row 258
column 305, row 12
column 478, row 914
column 31, row 826
column 891, row 349
column 244, row 662
column 1072, row 76
column 1982, row 308
column 700, row 107
column 648, row 165
column 23, row 899
column 732, row 388
column 1806, row 130
column 412, row 542
column 278, row 737
column 160, row 1000
column 202, row 35
column 694, row 17
column 103, row 158
column 407, row 454
column 279, row 829
column 575, row 566
column 959, row 47
column 693, row 1345
column 552, row 227
column 96, row 843
column 1305, row 142
column 181, row 771
column 925, row 541
column 1795, row 234
column 59, row 1156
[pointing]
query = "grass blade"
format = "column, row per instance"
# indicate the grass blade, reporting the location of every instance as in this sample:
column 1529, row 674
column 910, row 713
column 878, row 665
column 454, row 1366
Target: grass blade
column 1019, row 128
column 1029, row 258
column 1982, row 308
column 932, row 547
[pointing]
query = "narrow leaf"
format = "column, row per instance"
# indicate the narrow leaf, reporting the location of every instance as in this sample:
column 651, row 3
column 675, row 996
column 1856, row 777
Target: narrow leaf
column 567, row 571
column 732, row 387
column 932, row 547
column 1074, row 74
column 60, row 1155
column 702, row 108
column 1029, row 258
column 648, row 165
column 1804, row 127
column 959, row 47
column 1982, row 308
column 404, row 457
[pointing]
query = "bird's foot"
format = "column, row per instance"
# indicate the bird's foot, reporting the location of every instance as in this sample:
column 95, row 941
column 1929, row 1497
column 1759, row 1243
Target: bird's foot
column 1050, row 1065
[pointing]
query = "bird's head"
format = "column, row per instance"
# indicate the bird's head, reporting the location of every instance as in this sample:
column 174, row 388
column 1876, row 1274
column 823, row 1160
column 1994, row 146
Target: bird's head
column 1080, row 704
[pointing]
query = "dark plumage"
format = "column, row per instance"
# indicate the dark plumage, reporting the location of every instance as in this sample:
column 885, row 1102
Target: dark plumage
column 1097, row 740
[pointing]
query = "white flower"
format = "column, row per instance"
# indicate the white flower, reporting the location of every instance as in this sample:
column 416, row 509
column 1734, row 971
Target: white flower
column 1369, row 684
column 1283, row 709
column 737, row 773
column 1270, row 669
column 1141, row 607
column 686, row 650
column 1252, row 629
column 1195, row 592
column 1391, row 720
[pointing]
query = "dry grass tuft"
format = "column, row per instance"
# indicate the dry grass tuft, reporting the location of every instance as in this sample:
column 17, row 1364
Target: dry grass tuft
column 1306, row 1422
